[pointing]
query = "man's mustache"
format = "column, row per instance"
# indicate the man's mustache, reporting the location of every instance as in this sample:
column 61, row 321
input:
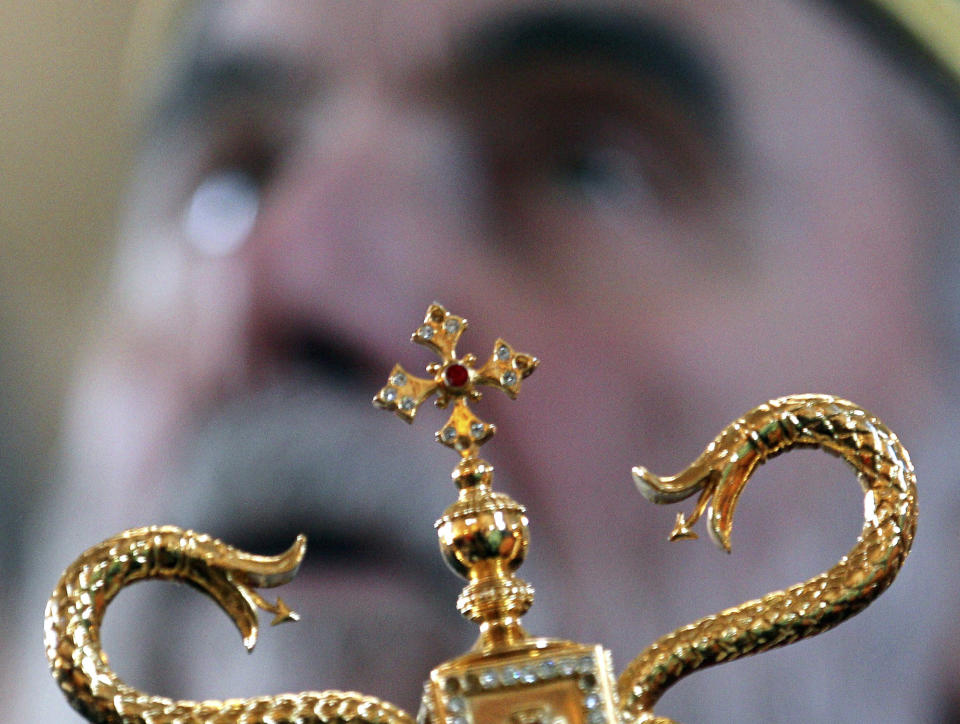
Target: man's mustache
column 315, row 455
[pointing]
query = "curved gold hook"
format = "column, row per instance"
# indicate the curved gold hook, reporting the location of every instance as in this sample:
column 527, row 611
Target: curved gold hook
column 75, row 613
column 720, row 474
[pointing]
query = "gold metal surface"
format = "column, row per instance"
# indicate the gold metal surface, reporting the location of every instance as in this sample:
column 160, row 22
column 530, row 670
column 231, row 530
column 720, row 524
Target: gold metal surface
column 483, row 535
column 464, row 431
column 541, row 682
column 508, row 677
column 75, row 612
column 885, row 473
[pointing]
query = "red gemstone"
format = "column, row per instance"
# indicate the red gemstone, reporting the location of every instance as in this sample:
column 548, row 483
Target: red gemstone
column 456, row 375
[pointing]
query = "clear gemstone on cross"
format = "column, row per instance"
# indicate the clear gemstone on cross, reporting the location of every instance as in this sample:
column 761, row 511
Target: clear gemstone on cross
column 506, row 368
column 454, row 381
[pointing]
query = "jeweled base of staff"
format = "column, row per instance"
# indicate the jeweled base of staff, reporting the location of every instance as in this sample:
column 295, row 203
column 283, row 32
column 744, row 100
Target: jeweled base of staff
column 508, row 676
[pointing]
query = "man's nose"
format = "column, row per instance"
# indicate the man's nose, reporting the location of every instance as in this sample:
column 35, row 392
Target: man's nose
column 360, row 226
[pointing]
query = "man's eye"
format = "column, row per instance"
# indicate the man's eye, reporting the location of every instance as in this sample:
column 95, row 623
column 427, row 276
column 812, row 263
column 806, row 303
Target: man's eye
column 595, row 162
column 603, row 173
column 221, row 211
column 234, row 163
column 621, row 148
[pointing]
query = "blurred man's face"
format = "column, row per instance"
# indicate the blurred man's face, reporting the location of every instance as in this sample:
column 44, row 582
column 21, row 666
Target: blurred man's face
column 682, row 208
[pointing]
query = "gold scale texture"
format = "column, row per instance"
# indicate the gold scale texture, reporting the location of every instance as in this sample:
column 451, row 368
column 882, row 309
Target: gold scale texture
column 75, row 611
column 886, row 476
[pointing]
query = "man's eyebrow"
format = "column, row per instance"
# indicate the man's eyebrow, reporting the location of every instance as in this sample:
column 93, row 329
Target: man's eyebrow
column 633, row 44
column 211, row 81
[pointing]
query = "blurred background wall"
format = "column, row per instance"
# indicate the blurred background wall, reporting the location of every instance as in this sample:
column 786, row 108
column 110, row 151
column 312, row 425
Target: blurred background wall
column 65, row 142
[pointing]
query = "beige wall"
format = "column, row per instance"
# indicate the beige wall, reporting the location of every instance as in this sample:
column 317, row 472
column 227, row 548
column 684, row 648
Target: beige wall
column 63, row 158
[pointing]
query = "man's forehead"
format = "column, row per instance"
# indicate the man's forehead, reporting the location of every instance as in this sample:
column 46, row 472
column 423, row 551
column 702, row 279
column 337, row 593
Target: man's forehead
column 341, row 36
column 392, row 37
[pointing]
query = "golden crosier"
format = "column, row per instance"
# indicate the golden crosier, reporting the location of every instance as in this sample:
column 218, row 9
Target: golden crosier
column 509, row 676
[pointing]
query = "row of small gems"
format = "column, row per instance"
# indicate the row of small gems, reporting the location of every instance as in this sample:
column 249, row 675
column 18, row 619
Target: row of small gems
column 477, row 429
column 509, row 377
column 389, row 393
column 582, row 668
column 451, row 326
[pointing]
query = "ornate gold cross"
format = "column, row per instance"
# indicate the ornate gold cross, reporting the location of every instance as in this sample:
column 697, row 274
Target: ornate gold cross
column 454, row 379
